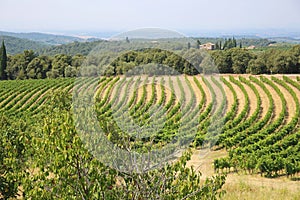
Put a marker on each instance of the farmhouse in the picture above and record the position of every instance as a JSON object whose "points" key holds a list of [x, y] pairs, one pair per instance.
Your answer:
{"points": [[251, 47], [208, 46]]}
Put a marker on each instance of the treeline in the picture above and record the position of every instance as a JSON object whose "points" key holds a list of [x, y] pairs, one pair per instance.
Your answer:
{"points": [[271, 61], [229, 43], [234, 60], [29, 65], [83, 48]]}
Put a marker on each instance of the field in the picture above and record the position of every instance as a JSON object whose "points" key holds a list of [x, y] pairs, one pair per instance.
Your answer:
{"points": [[248, 124]]}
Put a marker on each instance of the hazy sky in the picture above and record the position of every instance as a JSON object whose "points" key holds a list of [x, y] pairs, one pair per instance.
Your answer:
{"points": [[120, 15]]}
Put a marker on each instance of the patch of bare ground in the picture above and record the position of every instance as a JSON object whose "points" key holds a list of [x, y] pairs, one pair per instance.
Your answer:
{"points": [[264, 100], [37, 100], [123, 91], [115, 91], [168, 90], [29, 100], [206, 90], [140, 89], [148, 94], [252, 99], [157, 85], [2, 105], [276, 100], [195, 89], [240, 96], [297, 93], [229, 97], [158, 92], [217, 91], [33, 103], [178, 93], [202, 160], [186, 89], [134, 86], [101, 93], [290, 103]]}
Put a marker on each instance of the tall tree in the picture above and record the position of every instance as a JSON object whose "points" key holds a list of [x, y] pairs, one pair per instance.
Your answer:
{"points": [[234, 42], [217, 46], [225, 44], [3, 61], [127, 40], [198, 44]]}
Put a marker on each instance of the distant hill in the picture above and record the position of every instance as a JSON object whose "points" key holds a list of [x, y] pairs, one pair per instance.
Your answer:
{"points": [[287, 40], [84, 48], [49, 44], [17, 45], [49, 39], [74, 48]]}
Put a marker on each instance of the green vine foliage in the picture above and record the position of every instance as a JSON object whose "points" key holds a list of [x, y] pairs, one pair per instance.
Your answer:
{"points": [[42, 157]]}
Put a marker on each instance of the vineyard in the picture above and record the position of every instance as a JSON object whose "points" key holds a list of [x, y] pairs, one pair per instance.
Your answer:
{"points": [[254, 118]]}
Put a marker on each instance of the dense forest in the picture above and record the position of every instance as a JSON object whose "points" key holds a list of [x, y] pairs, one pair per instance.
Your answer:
{"points": [[18, 45], [83, 48]]}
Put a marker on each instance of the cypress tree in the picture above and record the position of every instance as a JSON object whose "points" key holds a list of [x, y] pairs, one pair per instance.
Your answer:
{"points": [[188, 45], [3, 61], [198, 44], [225, 44], [217, 46], [234, 42]]}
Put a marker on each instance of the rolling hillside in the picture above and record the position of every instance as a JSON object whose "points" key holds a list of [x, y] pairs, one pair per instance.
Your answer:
{"points": [[17, 45], [249, 124], [49, 39]]}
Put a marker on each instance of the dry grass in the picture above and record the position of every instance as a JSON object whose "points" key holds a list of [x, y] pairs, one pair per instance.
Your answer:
{"points": [[276, 99], [264, 100], [244, 186], [252, 99], [195, 88], [290, 103], [229, 96], [240, 96], [256, 187]]}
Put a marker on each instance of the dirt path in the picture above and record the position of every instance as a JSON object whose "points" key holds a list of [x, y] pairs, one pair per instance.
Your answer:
{"points": [[195, 89], [240, 96], [290, 103], [158, 92], [264, 100], [276, 99], [252, 99], [206, 90], [229, 96], [33, 103]]}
